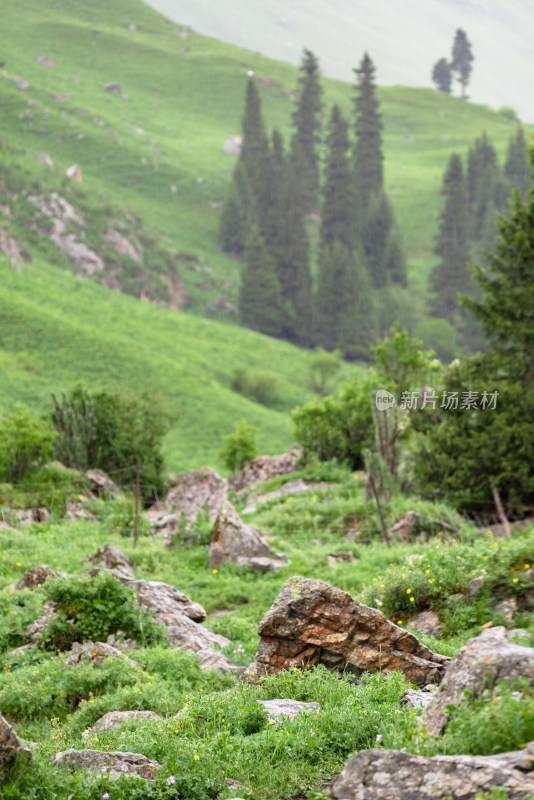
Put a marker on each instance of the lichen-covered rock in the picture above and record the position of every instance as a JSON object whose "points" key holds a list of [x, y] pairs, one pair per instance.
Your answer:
{"points": [[486, 659], [264, 467], [312, 623], [114, 719], [96, 652], [192, 493], [36, 576], [10, 746], [417, 698], [102, 482], [394, 775], [114, 763], [111, 557], [287, 708], [232, 540]]}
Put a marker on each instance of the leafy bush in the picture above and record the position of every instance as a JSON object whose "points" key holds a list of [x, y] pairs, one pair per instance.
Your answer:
{"points": [[121, 517], [262, 386], [113, 431], [239, 447], [323, 367], [92, 608], [25, 444]]}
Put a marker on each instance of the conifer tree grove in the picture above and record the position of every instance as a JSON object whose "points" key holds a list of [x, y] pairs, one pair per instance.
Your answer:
{"points": [[236, 212], [374, 219], [516, 167], [259, 298], [462, 58], [307, 122], [441, 75], [487, 193], [450, 275], [343, 309]]}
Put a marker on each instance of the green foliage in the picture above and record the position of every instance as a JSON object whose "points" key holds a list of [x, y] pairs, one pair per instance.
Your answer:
{"points": [[121, 517], [93, 608], [323, 367], [25, 444], [236, 212], [516, 167], [262, 386], [240, 446], [260, 301], [462, 57], [307, 122], [368, 158], [441, 75], [113, 431], [403, 363]]}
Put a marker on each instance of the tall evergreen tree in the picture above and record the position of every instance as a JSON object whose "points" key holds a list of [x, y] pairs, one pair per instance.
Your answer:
{"points": [[374, 218], [368, 158], [307, 122], [441, 75], [238, 206], [260, 303], [487, 193], [450, 275], [462, 58], [338, 209], [290, 249], [256, 157], [516, 167]]}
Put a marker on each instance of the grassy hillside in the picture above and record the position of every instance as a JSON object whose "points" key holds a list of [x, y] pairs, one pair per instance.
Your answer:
{"points": [[406, 39], [57, 328]]}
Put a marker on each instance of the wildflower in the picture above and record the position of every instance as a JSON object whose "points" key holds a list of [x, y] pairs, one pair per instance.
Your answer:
{"points": [[170, 780], [19, 564], [516, 695], [197, 758], [408, 591], [399, 622], [105, 796], [527, 566], [515, 580], [215, 571], [382, 585], [412, 599], [124, 767], [312, 732], [378, 737]]}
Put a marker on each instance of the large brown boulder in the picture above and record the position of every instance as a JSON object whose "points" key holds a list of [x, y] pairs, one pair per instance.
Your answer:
{"points": [[232, 540], [10, 746], [264, 467], [112, 764], [312, 623], [482, 661], [394, 775], [192, 493]]}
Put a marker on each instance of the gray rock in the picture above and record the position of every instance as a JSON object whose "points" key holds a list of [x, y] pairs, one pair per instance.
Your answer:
{"points": [[488, 657], [102, 482], [114, 719], [114, 763], [287, 708], [394, 775], [123, 245], [405, 526], [48, 612], [192, 493], [44, 61], [231, 540], [111, 558], [475, 585], [427, 622], [417, 698], [22, 84], [36, 576], [289, 488], [113, 88], [232, 146], [10, 747], [74, 173], [341, 557], [96, 652], [45, 159], [507, 608], [264, 467]]}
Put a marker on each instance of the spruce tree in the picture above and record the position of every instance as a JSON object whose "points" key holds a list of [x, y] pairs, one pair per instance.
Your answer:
{"points": [[487, 193], [368, 158], [516, 167], [441, 75], [256, 157], [307, 122], [290, 249], [237, 208], [462, 58], [338, 215], [259, 297], [450, 275]]}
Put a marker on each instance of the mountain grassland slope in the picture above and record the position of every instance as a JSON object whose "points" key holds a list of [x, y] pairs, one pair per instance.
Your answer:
{"points": [[152, 165]]}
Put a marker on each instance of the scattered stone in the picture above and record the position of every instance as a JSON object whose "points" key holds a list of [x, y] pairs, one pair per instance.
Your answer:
{"points": [[404, 526], [61, 98], [427, 622], [75, 510], [113, 88], [132, 26], [112, 558], [22, 84], [394, 775], [192, 492], [342, 556], [44, 158], [232, 540], [96, 652], [114, 719], [138, 130], [286, 708], [485, 659], [44, 61], [10, 247], [48, 612], [74, 173], [122, 245], [475, 585], [312, 623], [10, 747], [36, 576], [102, 482], [183, 34], [232, 146], [112, 764], [507, 608], [263, 468], [417, 698], [76, 79]]}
